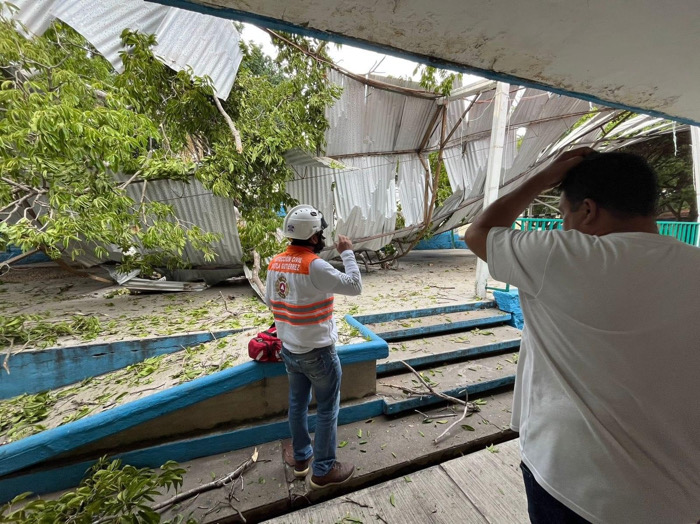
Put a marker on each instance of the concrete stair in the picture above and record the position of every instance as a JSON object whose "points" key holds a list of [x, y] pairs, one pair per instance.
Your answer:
{"points": [[463, 349]]}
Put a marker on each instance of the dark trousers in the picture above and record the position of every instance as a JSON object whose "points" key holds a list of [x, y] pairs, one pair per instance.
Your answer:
{"points": [[544, 508]]}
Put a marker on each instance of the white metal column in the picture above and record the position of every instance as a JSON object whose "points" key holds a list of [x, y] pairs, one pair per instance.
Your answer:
{"points": [[493, 168], [695, 141]]}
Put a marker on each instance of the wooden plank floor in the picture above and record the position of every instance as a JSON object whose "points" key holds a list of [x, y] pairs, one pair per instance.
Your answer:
{"points": [[483, 487]]}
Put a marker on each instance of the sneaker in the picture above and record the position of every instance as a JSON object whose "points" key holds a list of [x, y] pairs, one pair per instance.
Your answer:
{"points": [[301, 467], [338, 474]]}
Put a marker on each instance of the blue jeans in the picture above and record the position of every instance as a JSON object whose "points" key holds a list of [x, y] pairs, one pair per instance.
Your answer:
{"points": [[542, 507], [320, 369]]}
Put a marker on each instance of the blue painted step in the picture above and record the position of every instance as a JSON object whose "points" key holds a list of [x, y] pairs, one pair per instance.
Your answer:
{"points": [[58, 477], [429, 321], [461, 325], [474, 377], [463, 353], [45, 448], [41, 370]]}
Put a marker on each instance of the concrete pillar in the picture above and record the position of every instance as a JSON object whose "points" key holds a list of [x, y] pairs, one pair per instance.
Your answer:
{"points": [[493, 168]]}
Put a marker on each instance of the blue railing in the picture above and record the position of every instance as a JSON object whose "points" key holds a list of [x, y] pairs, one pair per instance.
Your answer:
{"points": [[684, 231]]}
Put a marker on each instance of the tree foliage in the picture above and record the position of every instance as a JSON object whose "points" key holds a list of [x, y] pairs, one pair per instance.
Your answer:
{"points": [[110, 492], [672, 159], [74, 135], [439, 81]]}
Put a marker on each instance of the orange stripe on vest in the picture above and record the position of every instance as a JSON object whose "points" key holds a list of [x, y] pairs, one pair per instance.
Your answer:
{"points": [[295, 259]]}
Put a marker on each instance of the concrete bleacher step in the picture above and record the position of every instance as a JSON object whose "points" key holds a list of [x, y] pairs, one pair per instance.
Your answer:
{"points": [[438, 349], [459, 348], [381, 448], [405, 328], [473, 377]]}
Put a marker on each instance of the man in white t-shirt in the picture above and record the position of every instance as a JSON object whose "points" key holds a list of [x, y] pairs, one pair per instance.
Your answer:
{"points": [[607, 387]]}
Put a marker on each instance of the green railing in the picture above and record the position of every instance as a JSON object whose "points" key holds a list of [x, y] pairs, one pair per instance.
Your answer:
{"points": [[684, 231]]}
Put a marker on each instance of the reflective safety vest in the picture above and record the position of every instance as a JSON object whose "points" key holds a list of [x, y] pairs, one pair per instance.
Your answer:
{"points": [[303, 314]]}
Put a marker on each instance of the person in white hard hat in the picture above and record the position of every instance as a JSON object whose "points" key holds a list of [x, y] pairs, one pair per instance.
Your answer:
{"points": [[299, 290]]}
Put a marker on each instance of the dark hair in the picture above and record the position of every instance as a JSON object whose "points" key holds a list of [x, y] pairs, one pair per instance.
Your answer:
{"points": [[621, 183], [298, 242]]}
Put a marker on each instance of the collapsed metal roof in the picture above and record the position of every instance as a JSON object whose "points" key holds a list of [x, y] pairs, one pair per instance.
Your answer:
{"points": [[387, 135], [639, 55], [381, 131], [206, 44]]}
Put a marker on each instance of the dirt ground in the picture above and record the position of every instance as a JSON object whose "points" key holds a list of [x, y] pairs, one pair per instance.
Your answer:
{"points": [[421, 279]]}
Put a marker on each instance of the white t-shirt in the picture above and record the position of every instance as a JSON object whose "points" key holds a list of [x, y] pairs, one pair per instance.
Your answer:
{"points": [[607, 394]]}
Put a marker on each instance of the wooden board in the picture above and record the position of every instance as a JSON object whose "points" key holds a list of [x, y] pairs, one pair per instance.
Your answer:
{"points": [[428, 496], [493, 482]]}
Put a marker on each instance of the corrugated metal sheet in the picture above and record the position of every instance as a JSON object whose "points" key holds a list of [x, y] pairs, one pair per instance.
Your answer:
{"points": [[297, 158], [371, 120], [411, 188], [365, 201], [193, 204], [545, 119], [206, 44], [34, 14], [102, 23]]}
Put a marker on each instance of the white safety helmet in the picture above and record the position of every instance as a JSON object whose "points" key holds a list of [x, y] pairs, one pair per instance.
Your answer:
{"points": [[302, 222]]}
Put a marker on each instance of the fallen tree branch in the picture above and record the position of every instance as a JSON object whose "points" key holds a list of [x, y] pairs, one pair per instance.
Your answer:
{"points": [[464, 415], [19, 257], [209, 486], [469, 407], [256, 273], [236, 134], [226, 308], [405, 389], [350, 501], [436, 393], [81, 273]]}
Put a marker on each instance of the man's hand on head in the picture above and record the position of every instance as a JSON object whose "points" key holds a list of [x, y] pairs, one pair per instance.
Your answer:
{"points": [[343, 244], [504, 211], [553, 175]]}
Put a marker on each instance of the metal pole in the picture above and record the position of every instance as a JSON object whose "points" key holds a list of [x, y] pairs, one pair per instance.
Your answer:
{"points": [[493, 168], [695, 141]]}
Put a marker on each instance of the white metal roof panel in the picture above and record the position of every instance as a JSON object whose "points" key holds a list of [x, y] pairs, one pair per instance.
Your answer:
{"points": [[206, 44], [194, 204], [34, 14], [365, 201], [649, 61], [102, 22], [411, 188]]}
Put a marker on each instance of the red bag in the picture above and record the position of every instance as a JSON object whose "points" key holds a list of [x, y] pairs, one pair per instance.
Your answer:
{"points": [[266, 346]]}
